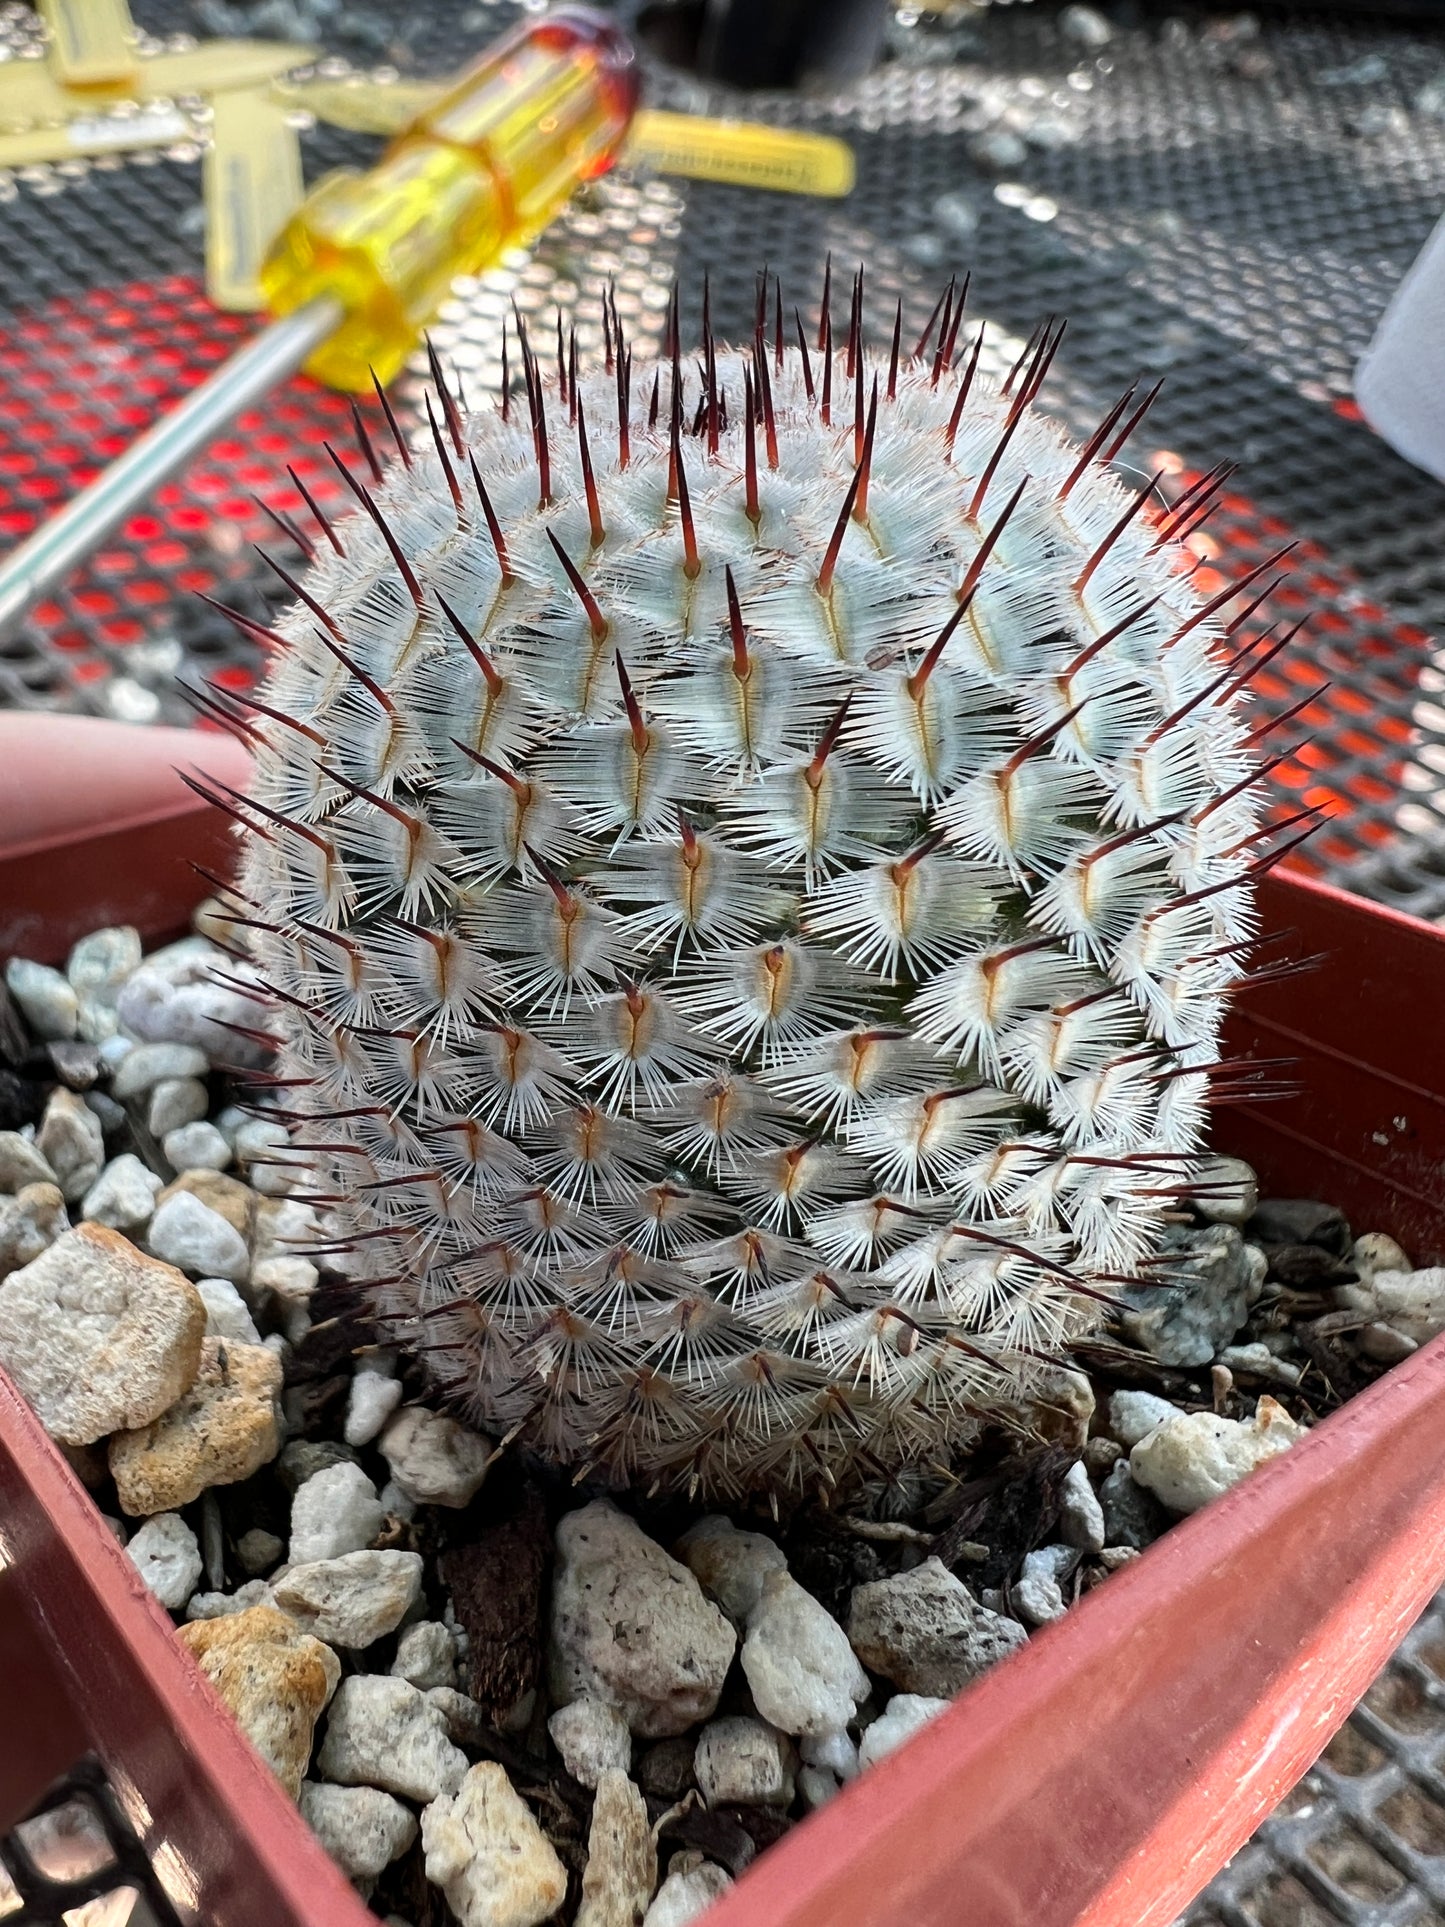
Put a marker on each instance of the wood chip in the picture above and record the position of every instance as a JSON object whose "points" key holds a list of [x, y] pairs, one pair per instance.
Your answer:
{"points": [[496, 1588]]}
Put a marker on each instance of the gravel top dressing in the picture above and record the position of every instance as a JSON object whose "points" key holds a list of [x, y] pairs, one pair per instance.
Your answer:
{"points": [[498, 1695]]}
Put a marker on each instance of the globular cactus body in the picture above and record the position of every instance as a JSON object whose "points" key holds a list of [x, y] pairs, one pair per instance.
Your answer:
{"points": [[752, 881]]}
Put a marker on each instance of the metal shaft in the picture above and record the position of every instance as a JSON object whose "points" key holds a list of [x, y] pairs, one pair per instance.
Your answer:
{"points": [[45, 558]]}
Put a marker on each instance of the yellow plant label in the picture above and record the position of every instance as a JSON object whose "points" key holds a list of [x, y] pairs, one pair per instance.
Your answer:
{"points": [[91, 41], [742, 153], [361, 104], [252, 187], [95, 134], [33, 97]]}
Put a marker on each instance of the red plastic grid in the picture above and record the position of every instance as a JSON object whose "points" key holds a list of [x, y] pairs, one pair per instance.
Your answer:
{"points": [[79, 379]]}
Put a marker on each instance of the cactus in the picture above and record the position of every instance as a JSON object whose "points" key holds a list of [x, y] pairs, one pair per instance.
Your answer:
{"points": [[751, 856]]}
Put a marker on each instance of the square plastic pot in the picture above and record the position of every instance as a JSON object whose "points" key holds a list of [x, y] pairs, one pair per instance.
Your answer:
{"points": [[1103, 1774]]}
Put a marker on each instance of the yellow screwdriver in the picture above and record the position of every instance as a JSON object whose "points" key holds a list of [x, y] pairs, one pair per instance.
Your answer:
{"points": [[366, 260]]}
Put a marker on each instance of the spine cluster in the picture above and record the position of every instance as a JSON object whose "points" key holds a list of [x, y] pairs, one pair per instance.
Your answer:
{"points": [[750, 853]]}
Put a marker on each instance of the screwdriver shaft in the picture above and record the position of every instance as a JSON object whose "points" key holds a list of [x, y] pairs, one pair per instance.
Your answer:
{"points": [[68, 538]]}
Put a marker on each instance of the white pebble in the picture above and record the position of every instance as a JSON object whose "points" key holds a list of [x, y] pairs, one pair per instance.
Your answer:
{"points": [[259, 1137], [369, 1404], [174, 998], [633, 1627], [1197, 1456], [193, 1237], [1081, 1517], [433, 1458], [29, 1224], [113, 1051], [904, 1714], [836, 1753], [227, 1313], [272, 1180], [683, 1896], [730, 1565], [383, 1732], [175, 1101], [143, 1066], [426, 1654], [592, 1737], [1261, 1361], [362, 1828], [219, 1605], [354, 1600], [1038, 1595], [1412, 1302], [816, 1786], [803, 1673], [1133, 1415], [100, 962], [72, 1143], [124, 1195], [621, 1870], [50, 1004], [335, 1511], [21, 1163], [196, 1147], [167, 1556], [1224, 1190], [98, 1337], [284, 1227]]}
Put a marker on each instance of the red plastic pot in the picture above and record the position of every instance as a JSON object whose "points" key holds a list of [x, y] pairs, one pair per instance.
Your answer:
{"points": [[97, 828], [1099, 1778]]}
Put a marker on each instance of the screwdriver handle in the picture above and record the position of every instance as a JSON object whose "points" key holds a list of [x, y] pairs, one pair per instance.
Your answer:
{"points": [[484, 168]]}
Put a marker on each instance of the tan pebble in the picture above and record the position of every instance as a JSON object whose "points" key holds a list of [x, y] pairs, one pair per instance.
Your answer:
{"points": [[621, 1867], [485, 1851], [226, 1427], [273, 1677]]}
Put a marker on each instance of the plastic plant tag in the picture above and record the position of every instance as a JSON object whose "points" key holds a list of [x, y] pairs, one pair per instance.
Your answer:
{"points": [[742, 153], [1400, 379], [154, 126], [33, 99], [252, 188], [91, 41], [361, 103]]}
